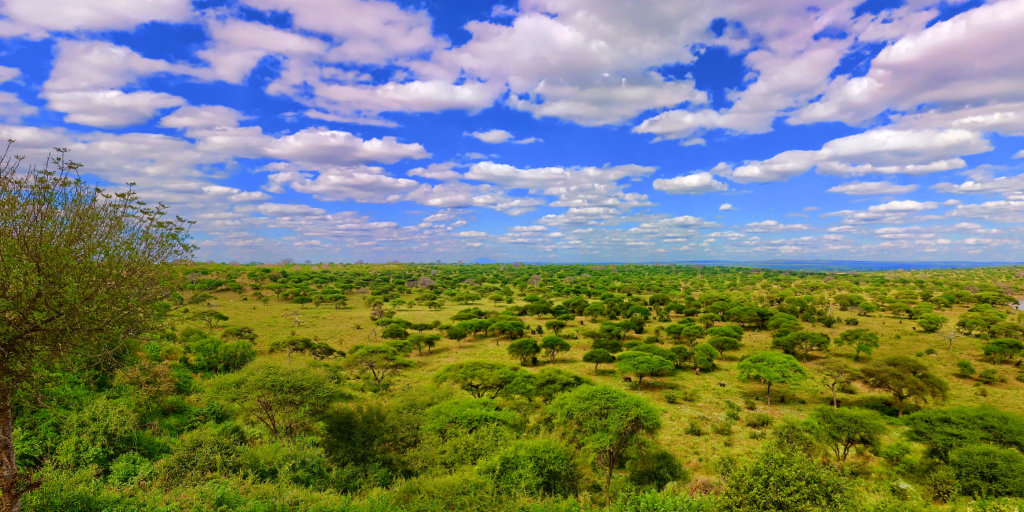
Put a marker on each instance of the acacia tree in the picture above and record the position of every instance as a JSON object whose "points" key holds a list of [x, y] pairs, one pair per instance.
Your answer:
{"points": [[835, 375], [862, 340], [905, 378], [81, 271], [642, 364], [843, 429], [771, 368], [606, 422]]}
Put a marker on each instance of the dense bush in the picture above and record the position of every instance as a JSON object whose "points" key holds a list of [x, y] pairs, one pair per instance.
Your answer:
{"points": [[783, 479], [988, 471], [533, 467]]}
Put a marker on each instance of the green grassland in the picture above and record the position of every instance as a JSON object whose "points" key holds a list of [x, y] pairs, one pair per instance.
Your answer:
{"points": [[705, 418]]}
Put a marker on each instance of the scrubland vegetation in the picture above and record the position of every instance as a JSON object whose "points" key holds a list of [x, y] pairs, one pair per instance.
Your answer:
{"points": [[569, 387], [128, 383]]}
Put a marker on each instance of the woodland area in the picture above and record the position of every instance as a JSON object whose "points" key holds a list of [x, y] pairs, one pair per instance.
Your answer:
{"points": [[426, 387]]}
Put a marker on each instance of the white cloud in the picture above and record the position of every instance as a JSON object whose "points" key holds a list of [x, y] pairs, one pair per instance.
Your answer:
{"points": [[202, 117], [368, 31], [928, 68], [1019, 154], [877, 151], [237, 46], [110, 108], [33, 17], [12, 109], [868, 188], [528, 229], [604, 104], [773, 226], [984, 184], [7, 74], [357, 183], [726, 207], [994, 211], [436, 171], [905, 206], [494, 136], [696, 183], [86, 79]]}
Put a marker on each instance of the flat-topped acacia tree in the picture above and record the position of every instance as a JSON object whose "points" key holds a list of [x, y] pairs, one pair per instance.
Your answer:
{"points": [[81, 272], [771, 368]]}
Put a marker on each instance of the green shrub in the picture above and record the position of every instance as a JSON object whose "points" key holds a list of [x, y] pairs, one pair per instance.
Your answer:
{"points": [[964, 368], [990, 376], [695, 428], [290, 462], [759, 420], [988, 471], [942, 430], [533, 467], [130, 468], [780, 479], [656, 468]]}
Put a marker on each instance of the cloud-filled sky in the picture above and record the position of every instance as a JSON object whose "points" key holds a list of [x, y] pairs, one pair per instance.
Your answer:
{"points": [[543, 130]]}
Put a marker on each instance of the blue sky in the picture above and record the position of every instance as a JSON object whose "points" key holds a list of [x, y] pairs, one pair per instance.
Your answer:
{"points": [[544, 130]]}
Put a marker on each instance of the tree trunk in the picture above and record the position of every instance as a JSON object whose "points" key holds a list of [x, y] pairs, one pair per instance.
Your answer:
{"points": [[769, 394], [13, 483]]}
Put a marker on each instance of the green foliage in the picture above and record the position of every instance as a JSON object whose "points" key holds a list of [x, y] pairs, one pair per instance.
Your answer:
{"points": [[905, 379], [537, 467], [605, 422], [552, 345], [988, 471], [1002, 350], [656, 468], [215, 355], [863, 341], [780, 479], [526, 349], [801, 343], [846, 428], [943, 430], [930, 322], [598, 356], [964, 368], [643, 364], [378, 361], [479, 378], [771, 368], [545, 384], [287, 400], [704, 356]]}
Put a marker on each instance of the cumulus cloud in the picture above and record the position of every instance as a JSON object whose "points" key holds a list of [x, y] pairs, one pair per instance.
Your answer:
{"points": [[983, 183], [696, 183], [87, 78], [33, 18], [870, 188], [726, 207], [877, 151], [437, 171], [494, 136], [927, 68], [994, 211]]}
